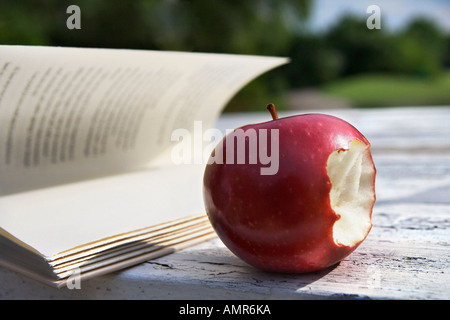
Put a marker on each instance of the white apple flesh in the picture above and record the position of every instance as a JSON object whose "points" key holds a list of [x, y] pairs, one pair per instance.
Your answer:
{"points": [[351, 173]]}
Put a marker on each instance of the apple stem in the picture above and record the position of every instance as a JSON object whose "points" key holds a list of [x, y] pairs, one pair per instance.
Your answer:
{"points": [[272, 110]]}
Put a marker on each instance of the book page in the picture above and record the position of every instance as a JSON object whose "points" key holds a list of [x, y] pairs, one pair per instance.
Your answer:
{"points": [[55, 219], [68, 114]]}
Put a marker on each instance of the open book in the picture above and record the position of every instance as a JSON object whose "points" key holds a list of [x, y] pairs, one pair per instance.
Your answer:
{"points": [[87, 185]]}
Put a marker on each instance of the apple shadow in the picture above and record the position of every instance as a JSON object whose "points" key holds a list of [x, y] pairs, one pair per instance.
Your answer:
{"points": [[218, 267]]}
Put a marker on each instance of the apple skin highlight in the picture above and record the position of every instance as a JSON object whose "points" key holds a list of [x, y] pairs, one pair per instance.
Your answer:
{"points": [[283, 222]]}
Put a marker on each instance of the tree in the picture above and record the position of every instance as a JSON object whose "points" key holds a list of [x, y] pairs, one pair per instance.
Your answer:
{"points": [[422, 48], [361, 49], [313, 61]]}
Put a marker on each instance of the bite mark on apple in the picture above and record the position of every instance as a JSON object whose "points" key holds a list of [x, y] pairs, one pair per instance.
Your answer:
{"points": [[351, 172]]}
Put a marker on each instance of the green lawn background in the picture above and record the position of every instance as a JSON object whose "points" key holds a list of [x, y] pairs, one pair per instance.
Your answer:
{"points": [[378, 90]]}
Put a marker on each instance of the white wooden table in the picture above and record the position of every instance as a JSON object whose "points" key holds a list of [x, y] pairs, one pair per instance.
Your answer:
{"points": [[406, 255]]}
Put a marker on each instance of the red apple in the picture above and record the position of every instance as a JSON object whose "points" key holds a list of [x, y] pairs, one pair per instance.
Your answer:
{"points": [[308, 215]]}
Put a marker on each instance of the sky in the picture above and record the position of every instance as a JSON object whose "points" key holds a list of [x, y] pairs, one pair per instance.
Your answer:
{"points": [[394, 13]]}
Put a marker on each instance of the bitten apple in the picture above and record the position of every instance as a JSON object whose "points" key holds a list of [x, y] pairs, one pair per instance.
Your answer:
{"points": [[310, 214]]}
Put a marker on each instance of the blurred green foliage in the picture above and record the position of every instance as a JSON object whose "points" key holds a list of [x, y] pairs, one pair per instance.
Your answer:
{"points": [[230, 26], [349, 48], [262, 27]]}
